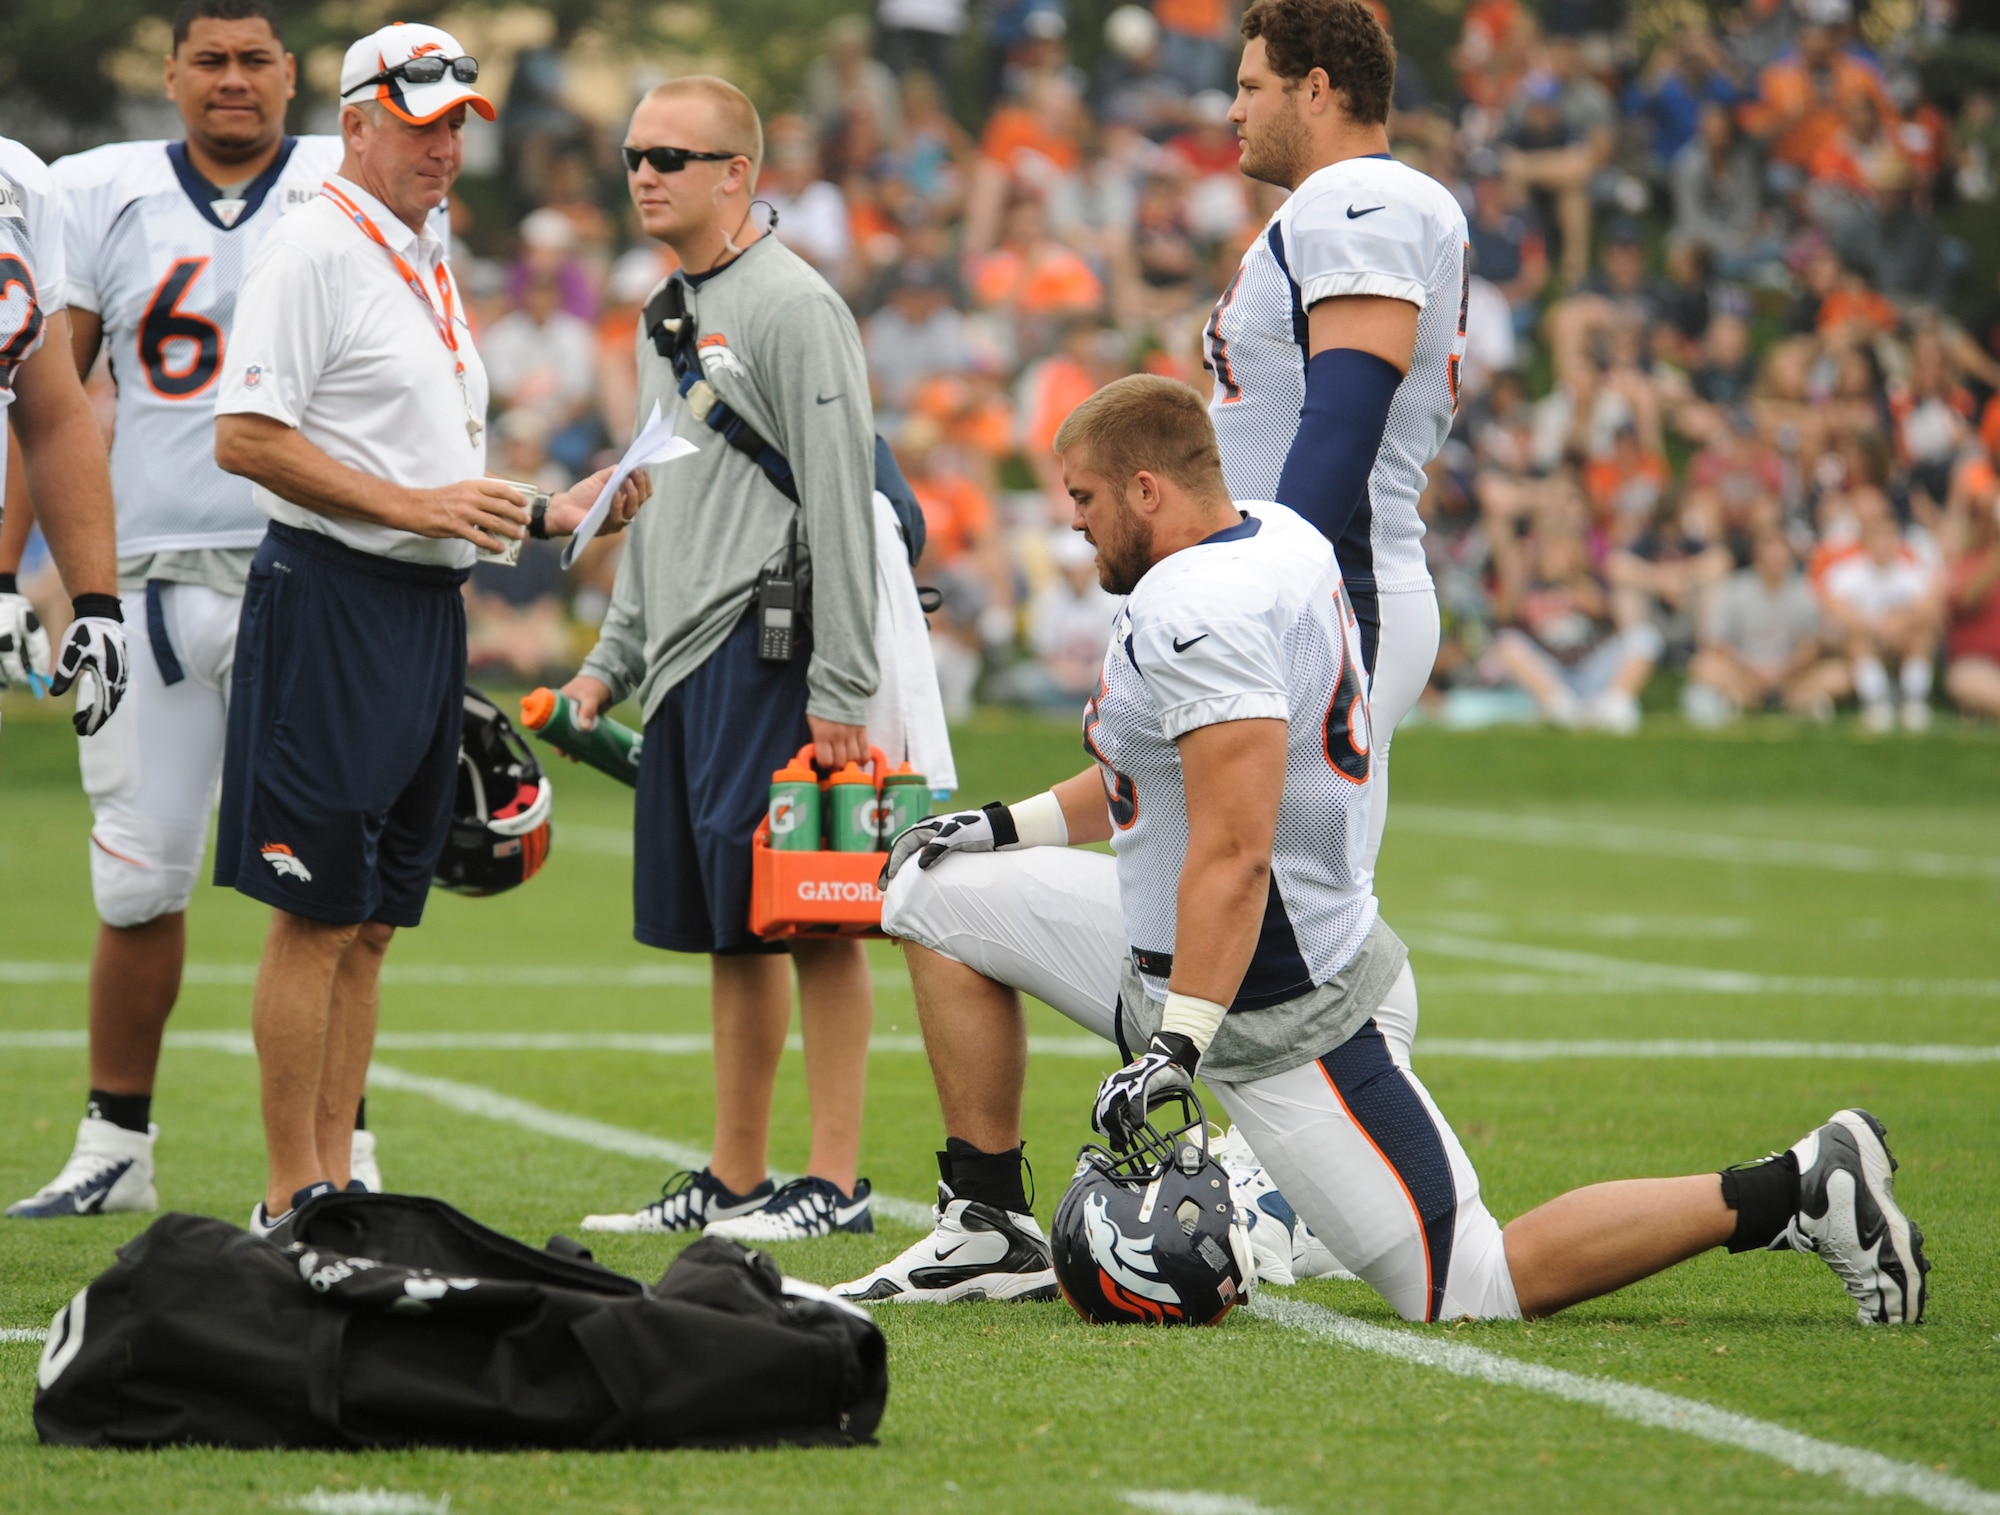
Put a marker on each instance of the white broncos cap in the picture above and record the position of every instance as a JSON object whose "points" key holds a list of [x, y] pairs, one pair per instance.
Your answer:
{"points": [[369, 66]]}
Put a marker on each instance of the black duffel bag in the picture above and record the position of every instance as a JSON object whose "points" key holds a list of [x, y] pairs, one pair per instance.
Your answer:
{"points": [[395, 1321]]}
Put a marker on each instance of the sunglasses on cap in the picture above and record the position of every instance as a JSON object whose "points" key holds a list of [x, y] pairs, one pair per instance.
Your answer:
{"points": [[427, 69], [670, 160]]}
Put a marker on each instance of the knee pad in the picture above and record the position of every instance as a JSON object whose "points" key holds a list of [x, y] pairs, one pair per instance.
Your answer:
{"points": [[132, 885], [916, 907]]}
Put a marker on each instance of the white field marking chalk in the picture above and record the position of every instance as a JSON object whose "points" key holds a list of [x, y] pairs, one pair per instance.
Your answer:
{"points": [[442, 975], [1865, 1472], [604, 841], [1192, 1502], [493, 1105], [39, 1335], [1628, 976], [1090, 1047], [1712, 847], [370, 1502]]}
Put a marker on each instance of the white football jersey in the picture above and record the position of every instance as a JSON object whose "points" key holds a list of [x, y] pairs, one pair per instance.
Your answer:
{"points": [[1250, 624], [1364, 226], [31, 266], [160, 259]]}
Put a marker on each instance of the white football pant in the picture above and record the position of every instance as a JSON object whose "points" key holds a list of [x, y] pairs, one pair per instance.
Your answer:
{"points": [[153, 770], [1352, 1139], [1406, 647]]}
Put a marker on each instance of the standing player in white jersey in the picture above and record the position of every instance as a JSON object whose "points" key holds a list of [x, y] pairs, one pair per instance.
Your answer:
{"points": [[1335, 348], [1235, 934], [159, 236], [46, 410]]}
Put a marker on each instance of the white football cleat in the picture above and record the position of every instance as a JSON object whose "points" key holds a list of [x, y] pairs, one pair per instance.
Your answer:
{"points": [[1848, 1215], [361, 1166], [802, 1209], [110, 1169], [974, 1251]]}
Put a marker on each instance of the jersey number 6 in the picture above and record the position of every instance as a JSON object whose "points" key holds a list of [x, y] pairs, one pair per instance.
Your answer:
{"points": [[186, 369]]}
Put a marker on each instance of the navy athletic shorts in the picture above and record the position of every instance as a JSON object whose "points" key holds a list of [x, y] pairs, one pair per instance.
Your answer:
{"points": [[344, 710], [704, 784]]}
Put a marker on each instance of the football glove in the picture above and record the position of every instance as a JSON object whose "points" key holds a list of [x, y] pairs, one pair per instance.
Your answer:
{"points": [[24, 643], [93, 662], [1127, 1097], [988, 829]]}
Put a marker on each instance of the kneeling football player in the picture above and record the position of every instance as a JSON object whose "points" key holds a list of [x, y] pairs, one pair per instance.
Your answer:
{"points": [[1236, 932]]}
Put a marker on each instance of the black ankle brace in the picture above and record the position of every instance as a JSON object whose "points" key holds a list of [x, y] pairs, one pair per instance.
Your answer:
{"points": [[1765, 1197], [129, 1112], [990, 1178]]}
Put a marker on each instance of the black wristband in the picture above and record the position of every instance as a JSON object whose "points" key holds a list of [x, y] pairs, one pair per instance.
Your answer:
{"points": [[9, 584], [1179, 1047], [104, 607], [1005, 833], [538, 517]]}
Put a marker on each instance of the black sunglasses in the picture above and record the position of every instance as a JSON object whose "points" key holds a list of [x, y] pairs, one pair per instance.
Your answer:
{"points": [[425, 70], [670, 160]]}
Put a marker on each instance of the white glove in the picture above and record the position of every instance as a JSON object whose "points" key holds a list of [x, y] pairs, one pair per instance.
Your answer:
{"points": [[24, 642], [92, 660], [1127, 1097]]}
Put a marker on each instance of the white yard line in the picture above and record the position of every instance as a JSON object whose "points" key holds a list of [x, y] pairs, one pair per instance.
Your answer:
{"points": [[1084, 1047], [370, 1502], [1192, 1502], [39, 1335], [1865, 1472], [490, 1104], [1622, 975], [1711, 847]]}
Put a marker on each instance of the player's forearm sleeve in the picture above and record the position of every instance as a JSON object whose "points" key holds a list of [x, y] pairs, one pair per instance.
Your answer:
{"points": [[1340, 429]]}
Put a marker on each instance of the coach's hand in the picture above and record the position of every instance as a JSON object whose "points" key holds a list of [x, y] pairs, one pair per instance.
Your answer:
{"points": [[24, 642], [588, 699], [836, 744], [567, 510], [484, 512]]}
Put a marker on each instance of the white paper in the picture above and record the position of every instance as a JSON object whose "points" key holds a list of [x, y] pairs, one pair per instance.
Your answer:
{"points": [[656, 443]]}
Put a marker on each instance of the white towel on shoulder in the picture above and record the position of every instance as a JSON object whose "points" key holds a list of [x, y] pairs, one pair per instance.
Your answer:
{"points": [[906, 713]]}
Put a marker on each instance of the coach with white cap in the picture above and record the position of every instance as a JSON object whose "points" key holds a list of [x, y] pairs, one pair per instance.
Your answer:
{"points": [[355, 402]]}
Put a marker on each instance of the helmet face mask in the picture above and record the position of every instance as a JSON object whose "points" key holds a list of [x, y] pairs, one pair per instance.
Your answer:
{"points": [[499, 836], [1149, 1236]]}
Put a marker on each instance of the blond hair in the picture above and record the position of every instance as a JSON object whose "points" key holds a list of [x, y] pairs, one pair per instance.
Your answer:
{"points": [[1147, 422], [738, 128]]}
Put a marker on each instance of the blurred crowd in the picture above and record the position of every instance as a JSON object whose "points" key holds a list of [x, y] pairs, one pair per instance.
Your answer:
{"points": [[1719, 427]]}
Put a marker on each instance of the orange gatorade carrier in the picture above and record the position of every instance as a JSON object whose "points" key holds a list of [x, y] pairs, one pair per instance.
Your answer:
{"points": [[819, 893]]}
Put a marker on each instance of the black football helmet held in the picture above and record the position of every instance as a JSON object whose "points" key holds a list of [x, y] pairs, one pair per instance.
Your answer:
{"points": [[1151, 1236], [500, 816]]}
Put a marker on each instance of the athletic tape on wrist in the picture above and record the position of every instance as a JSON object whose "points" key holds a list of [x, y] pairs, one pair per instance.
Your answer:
{"points": [[1039, 822], [1196, 1019]]}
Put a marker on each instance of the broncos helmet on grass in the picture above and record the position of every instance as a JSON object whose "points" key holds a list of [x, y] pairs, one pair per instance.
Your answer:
{"points": [[500, 815], [1150, 1236]]}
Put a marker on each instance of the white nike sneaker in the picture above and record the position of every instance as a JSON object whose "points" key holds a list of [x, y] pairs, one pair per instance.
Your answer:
{"points": [[110, 1169], [1848, 1215], [804, 1208], [361, 1166], [278, 1228], [1281, 1244], [687, 1202], [974, 1251]]}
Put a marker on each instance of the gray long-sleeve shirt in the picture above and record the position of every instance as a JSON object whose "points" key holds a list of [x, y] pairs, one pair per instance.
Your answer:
{"points": [[781, 349]]}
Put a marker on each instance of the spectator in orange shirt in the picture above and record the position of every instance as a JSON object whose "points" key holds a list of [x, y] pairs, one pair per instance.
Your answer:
{"points": [[1034, 277], [1800, 97], [1194, 41], [1091, 357], [1625, 484], [964, 558], [1492, 54]]}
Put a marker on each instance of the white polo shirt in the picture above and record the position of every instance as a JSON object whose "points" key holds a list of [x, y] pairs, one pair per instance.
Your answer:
{"points": [[330, 339]]}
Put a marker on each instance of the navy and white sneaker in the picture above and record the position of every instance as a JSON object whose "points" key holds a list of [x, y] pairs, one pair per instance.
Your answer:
{"points": [[687, 1202], [803, 1208], [362, 1168], [1848, 1216], [278, 1228], [110, 1169], [974, 1251]]}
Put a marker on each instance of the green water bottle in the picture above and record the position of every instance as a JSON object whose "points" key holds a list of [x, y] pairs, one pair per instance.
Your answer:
{"points": [[794, 810], [608, 746], [906, 799], [851, 810]]}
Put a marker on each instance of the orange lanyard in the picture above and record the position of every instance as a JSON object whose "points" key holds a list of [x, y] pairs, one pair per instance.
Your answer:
{"points": [[447, 333]]}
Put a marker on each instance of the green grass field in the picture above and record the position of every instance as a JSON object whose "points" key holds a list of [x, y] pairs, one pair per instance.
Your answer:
{"points": [[1772, 887]]}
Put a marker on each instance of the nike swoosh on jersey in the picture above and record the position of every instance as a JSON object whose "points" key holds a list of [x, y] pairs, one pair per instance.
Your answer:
{"points": [[1180, 646], [1356, 215]]}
